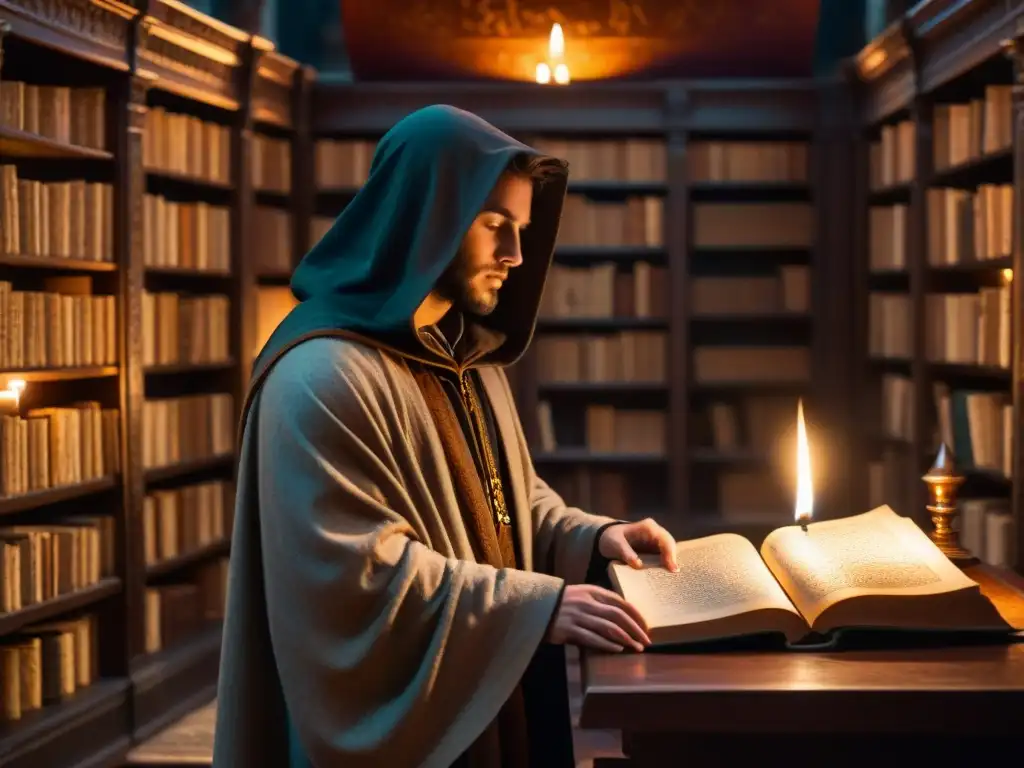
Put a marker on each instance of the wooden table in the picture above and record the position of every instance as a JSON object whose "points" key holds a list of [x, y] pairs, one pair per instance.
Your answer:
{"points": [[851, 708]]}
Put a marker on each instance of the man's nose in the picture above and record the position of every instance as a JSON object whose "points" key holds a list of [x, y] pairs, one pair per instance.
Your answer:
{"points": [[511, 253]]}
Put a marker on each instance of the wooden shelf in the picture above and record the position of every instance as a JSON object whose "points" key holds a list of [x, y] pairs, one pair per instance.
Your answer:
{"points": [[188, 559], [748, 191], [87, 729], [895, 194], [187, 468], [9, 505], [188, 272], [602, 387], [701, 455], [600, 324], [959, 372], [993, 168], [15, 143], [617, 188], [593, 254], [762, 386], [60, 374], [179, 369], [56, 263], [984, 266], [774, 318], [59, 606], [584, 456], [184, 180], [279, 279]]}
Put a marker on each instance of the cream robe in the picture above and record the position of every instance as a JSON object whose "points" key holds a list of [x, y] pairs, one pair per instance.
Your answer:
{"points": [[353, 594]]}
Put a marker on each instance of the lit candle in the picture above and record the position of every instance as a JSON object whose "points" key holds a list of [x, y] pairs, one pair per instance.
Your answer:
{"points": [[10, 398], [804, 494], [555, 66]]}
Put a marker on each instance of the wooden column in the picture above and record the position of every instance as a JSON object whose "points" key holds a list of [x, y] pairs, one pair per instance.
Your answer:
{"points": [[917, 263], [243, 210], [677, 239], [836, 372], [129, 123], [303, 163], [1016, 50]]}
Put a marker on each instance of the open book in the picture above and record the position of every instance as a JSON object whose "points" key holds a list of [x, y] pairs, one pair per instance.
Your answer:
{"points": [[870, 571]]}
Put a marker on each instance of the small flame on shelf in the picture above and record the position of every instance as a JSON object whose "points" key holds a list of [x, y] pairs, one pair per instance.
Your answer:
{"points": [[10, 398], [804, 492], [554, 68], [1007, 276]]}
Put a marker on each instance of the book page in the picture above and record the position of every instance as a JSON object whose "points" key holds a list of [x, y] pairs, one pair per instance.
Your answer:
{"points": [[876, 553], [719, 577]]}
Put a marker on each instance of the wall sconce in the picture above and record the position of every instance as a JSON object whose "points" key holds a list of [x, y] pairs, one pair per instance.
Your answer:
{"points": [[555, 65]]}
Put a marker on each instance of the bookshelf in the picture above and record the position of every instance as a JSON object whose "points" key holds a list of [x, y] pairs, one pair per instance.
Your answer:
{"points": [[938, 260]]}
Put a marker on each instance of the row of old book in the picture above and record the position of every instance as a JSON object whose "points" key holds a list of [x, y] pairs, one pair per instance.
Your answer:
{"points": [[639, 220], [42, 562], [58, 219], [891, 158], [272, 240], [186, 145], [185, 235], [752, 225], [962, 328], [969, 328], [58, 446], [752, 424], [965, 132], [963, 227], [605, 290], [70, 115], [978, 426], [187, 428], [641, 357], [606, 429], [627, 159], [47, 663], [174, 613], [180, 329], [344, 163], [62, 325], [896, 406], [176, 521], [788, 291], [271, 164], [626, 357], [988, 531], [747, 161]]}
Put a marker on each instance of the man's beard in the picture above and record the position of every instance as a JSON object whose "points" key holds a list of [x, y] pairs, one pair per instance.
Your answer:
{"points": [[456, 285]]}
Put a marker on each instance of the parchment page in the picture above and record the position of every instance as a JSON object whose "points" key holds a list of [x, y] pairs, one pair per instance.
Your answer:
{"points": [[718, 576], [876, 553]]}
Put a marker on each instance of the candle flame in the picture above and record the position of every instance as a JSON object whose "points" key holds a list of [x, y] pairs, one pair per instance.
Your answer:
{"points": [[1007, 276], [804, 494], [554, 68], [556, 42]]}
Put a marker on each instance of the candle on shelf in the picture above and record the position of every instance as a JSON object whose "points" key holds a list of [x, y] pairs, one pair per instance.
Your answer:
{"points": [[804, 492], [555, 66], [8, 402]]}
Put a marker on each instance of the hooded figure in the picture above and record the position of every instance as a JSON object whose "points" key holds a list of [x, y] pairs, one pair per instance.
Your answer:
{"points": [[397, 565]]}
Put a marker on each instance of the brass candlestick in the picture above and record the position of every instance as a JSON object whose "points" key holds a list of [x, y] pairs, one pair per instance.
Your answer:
{"points": [[943, 481]]}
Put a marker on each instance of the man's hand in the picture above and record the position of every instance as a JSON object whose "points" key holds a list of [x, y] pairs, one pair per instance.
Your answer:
{"points": [[623, 542], [595, 617]]}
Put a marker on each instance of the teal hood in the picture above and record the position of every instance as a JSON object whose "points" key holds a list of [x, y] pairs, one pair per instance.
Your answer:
{"points": [[430, 176]]}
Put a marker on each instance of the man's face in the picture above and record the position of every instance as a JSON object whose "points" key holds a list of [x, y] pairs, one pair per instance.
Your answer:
{"points": [[490, 248]]}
